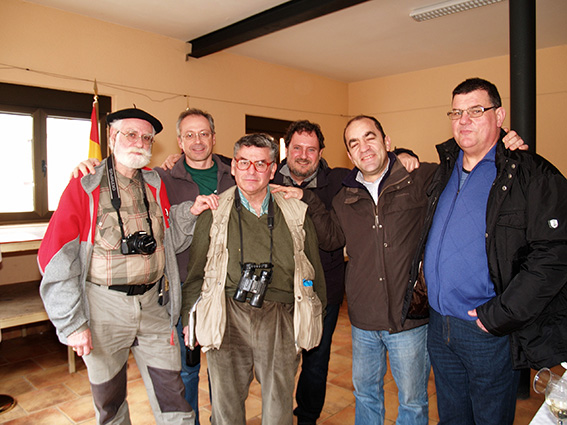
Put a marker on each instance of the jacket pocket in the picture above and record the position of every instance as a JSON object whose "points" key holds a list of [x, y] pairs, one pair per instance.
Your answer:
{"points": [[308, 309], [109, 231], [512, 219]]}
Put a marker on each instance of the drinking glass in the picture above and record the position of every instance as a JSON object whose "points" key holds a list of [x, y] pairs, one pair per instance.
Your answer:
{"points": [[555, 389]]}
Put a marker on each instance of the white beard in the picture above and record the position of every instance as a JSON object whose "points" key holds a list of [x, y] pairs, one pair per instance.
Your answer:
{"points": [[129, 158]]}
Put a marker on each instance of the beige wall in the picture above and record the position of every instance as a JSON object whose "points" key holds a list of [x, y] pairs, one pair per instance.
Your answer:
{"points": [[150, 71], [136, 67], [412, 106]]}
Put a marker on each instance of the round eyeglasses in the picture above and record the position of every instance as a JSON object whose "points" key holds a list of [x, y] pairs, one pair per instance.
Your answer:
{"points": [[474, 112], [201, 135], [133, 136]]}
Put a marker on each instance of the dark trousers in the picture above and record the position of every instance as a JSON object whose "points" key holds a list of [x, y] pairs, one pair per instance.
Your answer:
{"points": [[473, 371], [312, 384]]}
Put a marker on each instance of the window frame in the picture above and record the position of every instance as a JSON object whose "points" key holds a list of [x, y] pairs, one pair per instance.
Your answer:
{"points": [[40, 103]]}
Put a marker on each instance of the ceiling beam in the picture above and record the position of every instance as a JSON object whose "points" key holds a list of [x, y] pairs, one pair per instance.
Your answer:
{"points": [[279, 17]]}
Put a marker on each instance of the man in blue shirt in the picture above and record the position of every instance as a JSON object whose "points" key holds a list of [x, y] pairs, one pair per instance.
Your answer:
{"points": [[495, 263]]}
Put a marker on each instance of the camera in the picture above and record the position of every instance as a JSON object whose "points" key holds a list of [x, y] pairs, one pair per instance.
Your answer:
{"points": [[138, 243], [253, 284]]}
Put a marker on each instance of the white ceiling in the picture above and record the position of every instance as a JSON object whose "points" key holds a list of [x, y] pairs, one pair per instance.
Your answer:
{"points": [[369, 40]]}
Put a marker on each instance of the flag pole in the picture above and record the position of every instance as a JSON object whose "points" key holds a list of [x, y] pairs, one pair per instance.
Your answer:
{"points": [[94, 140]]}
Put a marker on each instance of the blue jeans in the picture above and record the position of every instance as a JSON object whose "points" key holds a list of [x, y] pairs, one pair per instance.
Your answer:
{"points": [[410, 367], [189, 376], [312, 384], [473, 371]]}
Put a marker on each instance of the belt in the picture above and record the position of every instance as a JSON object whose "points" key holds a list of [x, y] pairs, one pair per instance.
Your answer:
{"points": [[132, 289]]}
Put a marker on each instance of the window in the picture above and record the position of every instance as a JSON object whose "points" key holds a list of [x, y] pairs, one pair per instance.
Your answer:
{"points": [[44, 134], [274, 127]]}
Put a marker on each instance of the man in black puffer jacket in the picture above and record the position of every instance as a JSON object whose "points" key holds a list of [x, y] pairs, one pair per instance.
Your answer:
{"points": [[494, 252]]}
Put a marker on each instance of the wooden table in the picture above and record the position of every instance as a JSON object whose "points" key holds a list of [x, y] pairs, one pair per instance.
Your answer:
{"points": [[20, 301]]}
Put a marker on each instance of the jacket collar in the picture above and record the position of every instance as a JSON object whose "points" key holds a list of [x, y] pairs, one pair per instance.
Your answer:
{"points": [[449, 151], [322, 172], [395, 173]]}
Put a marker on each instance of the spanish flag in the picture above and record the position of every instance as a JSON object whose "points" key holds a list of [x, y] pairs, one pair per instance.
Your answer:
{"points": [[94, 141]]}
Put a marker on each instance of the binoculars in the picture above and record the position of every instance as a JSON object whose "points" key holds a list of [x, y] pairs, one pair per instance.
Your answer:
{"points": [[251, 283]]}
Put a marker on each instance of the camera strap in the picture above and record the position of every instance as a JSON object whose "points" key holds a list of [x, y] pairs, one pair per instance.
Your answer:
{"points": [[238, 205], [115, 196]]}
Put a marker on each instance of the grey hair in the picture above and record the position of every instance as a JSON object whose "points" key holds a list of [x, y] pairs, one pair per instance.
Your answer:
{"points": [[196, 112], [258, 140]]}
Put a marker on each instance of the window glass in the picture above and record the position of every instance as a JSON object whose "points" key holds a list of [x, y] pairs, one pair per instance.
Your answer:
{"points": [[16, 163], [67, 145], [44, 134]]}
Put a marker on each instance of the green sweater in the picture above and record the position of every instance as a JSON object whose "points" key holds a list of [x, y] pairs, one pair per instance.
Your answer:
{"points": [[256, 241]]}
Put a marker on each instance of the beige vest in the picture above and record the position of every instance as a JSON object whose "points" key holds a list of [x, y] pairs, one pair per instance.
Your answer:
{"points": [[211, 309]]}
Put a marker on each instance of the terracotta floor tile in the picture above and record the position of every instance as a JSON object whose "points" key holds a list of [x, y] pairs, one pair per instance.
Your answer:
{"points": [[346, 352], [132, 373], [253, 407], [79, 384], [255, 389], [337, 399], [391, 405], [137, 390], [139, 404], [50, 416], [79, 410], [257, 420], [18, 368], [47, 377], [339, 364], [205, 415], [203, 383], [141, 412], [47, 397], [53, 359], [343, 380], [431, 385], [344, 417], [15, 386], [433, 414]]}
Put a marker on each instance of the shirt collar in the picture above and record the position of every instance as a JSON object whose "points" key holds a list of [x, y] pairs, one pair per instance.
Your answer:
{"points": [[246, 204], [372, 187]]}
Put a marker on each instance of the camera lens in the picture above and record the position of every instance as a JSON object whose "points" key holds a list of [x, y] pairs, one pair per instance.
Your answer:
{"points": [[141, 243]]}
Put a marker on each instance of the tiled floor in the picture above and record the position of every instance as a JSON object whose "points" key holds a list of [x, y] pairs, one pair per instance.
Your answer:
{"points": [[34, 370]]}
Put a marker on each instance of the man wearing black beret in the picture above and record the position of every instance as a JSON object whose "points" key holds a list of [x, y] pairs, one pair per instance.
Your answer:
{"points": [[110, 280]]}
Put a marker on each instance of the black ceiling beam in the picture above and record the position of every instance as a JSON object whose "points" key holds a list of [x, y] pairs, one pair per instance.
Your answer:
{"points": [[279, 17]]}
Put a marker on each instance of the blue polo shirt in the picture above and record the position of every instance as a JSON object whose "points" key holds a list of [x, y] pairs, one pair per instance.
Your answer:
{"points": [[455, 263]]}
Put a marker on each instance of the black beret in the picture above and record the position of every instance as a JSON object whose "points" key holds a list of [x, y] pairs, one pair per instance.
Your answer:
{"points": [[134, 113]]}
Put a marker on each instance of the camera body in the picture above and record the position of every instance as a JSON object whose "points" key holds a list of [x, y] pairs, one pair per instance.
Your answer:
{"points": [[251, 283], [138, 243]]}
